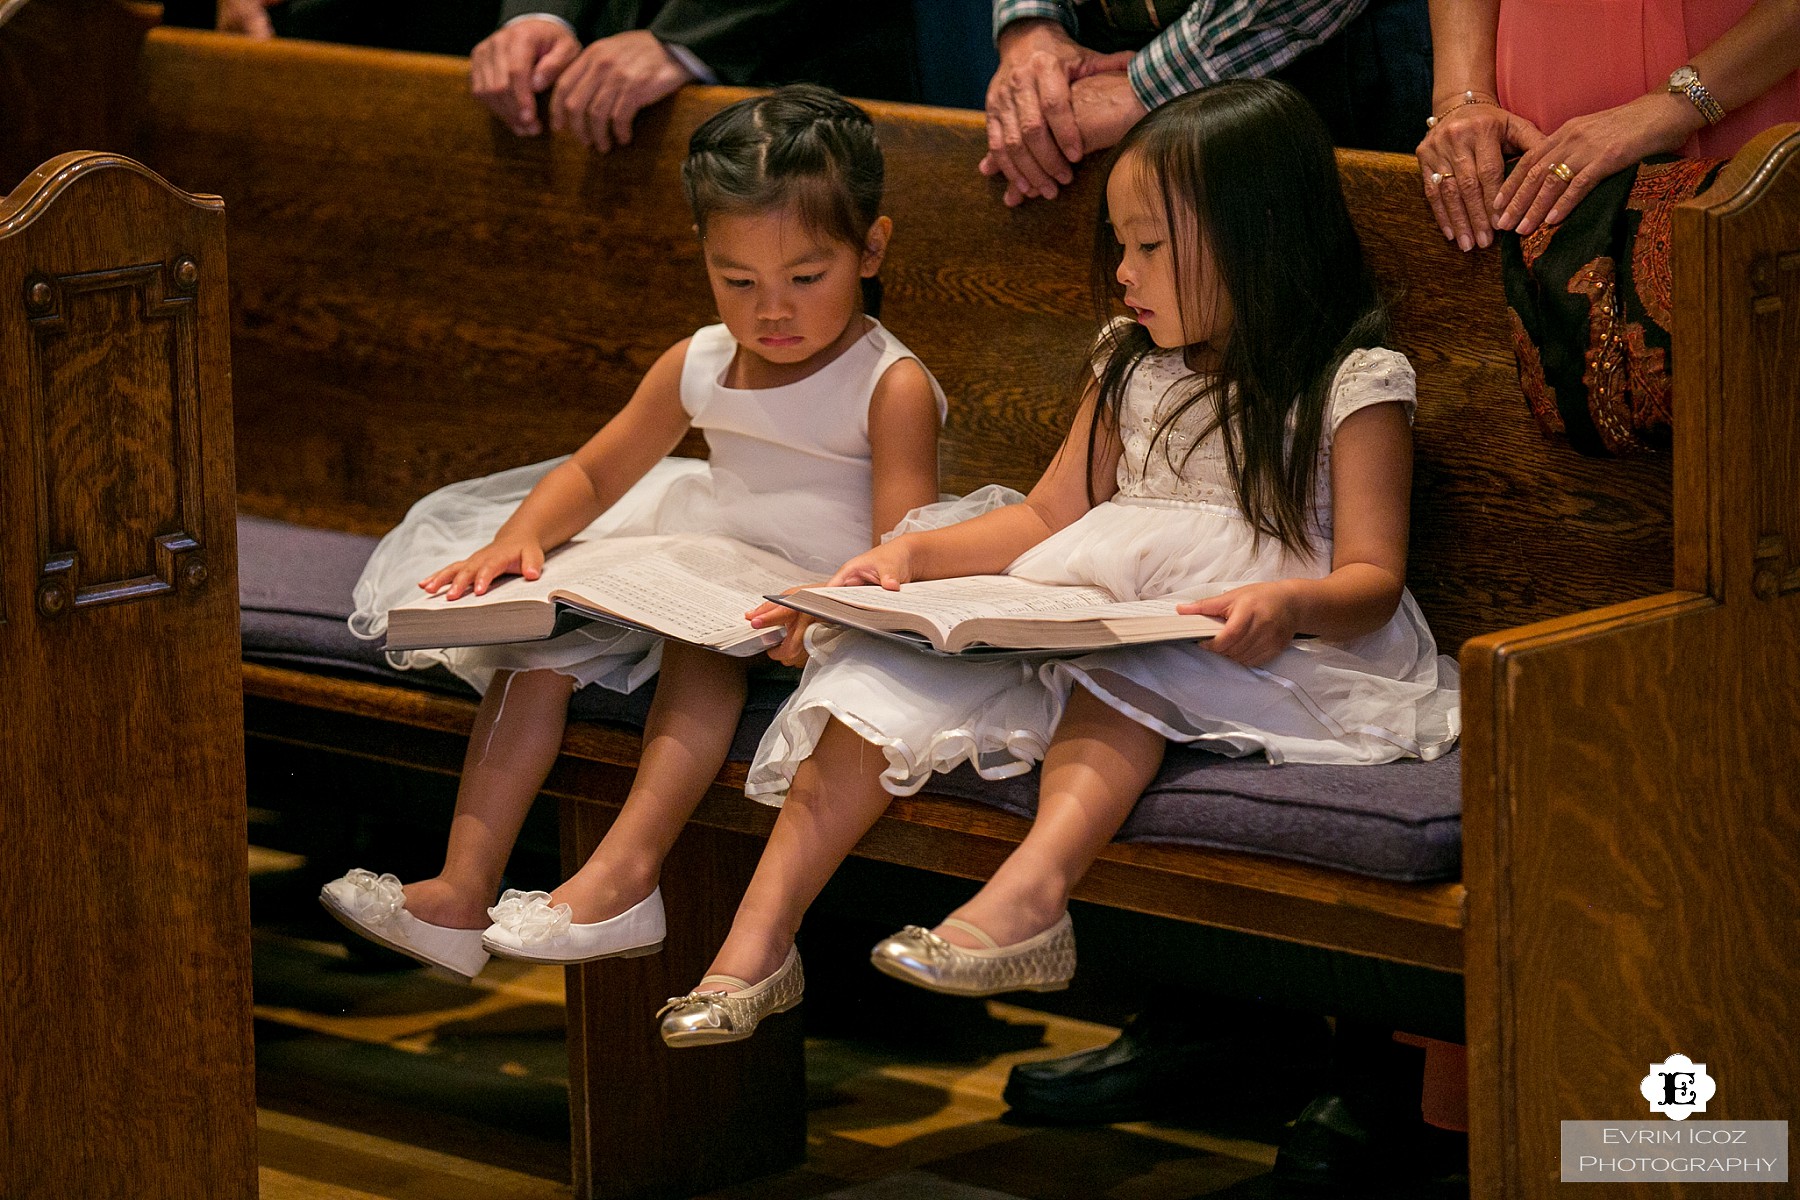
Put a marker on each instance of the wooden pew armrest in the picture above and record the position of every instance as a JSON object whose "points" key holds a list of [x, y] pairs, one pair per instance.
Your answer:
{"points": [[1491, 721]]}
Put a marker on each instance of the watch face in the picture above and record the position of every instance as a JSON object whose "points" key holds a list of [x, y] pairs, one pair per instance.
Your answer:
{"points": [[1683, 77]]}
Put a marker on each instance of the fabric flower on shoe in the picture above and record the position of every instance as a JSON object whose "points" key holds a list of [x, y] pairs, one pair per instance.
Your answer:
{"points": [[377, 898], [530, 916]]}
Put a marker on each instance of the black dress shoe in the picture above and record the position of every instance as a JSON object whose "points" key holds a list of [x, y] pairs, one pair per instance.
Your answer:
{"points": [[1340, 1148], [1330, 1146], [1173, 1059]]}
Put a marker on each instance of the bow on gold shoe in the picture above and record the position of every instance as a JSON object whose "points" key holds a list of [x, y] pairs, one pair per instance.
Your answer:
{"points": [[1044, 963], [701, 1018]]}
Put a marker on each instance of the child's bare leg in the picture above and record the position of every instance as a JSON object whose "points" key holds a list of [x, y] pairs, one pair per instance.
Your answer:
{"points": [[834, 799], [1098, 765], [518, 731], [699, 697]]}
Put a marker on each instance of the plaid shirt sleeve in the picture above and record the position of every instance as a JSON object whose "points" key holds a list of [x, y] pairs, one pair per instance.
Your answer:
{"points": [[1008, 11], [1216, 40]]}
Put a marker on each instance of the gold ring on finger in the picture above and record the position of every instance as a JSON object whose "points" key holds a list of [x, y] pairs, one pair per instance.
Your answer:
{"points": [[1561, 171], [1438, 177]]}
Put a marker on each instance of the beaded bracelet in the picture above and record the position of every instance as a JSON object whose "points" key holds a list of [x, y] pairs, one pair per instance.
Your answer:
{"points": [[1468, 98]]}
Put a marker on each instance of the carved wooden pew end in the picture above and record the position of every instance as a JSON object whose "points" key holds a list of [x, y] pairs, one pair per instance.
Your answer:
{"points": [[125, 1024]]}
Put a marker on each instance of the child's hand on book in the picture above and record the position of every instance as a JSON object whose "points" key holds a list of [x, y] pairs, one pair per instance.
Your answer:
{"points": [[1260, 621], [476, 573], [889, 565], [791, 652]]}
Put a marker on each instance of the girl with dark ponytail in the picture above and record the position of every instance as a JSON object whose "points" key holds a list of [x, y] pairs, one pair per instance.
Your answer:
{"points": [[822, 431]]}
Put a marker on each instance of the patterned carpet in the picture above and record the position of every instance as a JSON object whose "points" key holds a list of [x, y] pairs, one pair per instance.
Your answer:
{"points": [[381, 1082]]}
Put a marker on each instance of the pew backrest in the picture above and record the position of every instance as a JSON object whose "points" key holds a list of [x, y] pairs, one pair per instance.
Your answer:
{"points": [[421, 297]]}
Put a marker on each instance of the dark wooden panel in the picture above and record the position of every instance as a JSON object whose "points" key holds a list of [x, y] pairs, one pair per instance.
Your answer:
{"points": [[1639, 892], [422, 297], [68, 71], [125, 1001], [693, 1120]]}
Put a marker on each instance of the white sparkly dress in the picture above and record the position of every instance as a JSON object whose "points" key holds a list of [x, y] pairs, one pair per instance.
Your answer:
{"points": [[1172, 529], [788, 471]]}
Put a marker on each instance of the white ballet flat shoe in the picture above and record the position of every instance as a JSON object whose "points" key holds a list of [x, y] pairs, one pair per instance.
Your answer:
{"points": [[1042, 963], [527, 926], [374, 906], [703, 1018]]}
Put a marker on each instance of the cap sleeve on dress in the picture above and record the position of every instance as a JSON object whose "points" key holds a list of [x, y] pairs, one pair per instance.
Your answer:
{"points": [[1104, 341], [1377, 376]]}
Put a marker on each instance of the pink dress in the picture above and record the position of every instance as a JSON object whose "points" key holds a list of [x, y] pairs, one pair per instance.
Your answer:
{"points": [[1558, 59]]}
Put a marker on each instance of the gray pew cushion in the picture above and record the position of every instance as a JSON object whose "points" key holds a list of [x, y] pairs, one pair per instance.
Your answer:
{"points": [[294, 586], [1400, 821]]}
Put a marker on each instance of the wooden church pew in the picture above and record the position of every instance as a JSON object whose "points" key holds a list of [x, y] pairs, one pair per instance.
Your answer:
{"points": [[420, 297], [125, 1048]]}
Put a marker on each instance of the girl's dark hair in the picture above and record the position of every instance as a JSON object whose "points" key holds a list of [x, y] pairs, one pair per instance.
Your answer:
{"points": [[1248, 166], [801, 145]]}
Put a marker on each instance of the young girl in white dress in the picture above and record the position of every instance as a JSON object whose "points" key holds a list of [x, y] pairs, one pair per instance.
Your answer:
{"points": [[822, 430], [1244, 446]]}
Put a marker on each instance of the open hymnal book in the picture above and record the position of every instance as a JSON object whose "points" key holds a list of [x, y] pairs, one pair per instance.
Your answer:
{"points": [[989, 613], [693, 587]]}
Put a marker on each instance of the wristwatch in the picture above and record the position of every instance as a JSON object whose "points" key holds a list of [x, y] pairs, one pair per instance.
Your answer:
{"points": [[1685, 81]]}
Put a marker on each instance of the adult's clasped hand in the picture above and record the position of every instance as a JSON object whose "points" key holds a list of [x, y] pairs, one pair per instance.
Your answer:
{"points": [[247, 17], [1472, 194], [1052, 102], [1462, 164], [1558, 172], [595, 93]]}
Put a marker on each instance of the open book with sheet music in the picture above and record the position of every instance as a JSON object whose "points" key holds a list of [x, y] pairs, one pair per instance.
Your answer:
{"points": [[692, 587], [999, 614]]}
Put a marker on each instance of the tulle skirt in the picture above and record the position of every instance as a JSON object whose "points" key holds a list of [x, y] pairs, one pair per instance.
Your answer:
{"points": [[677, 495], [1376, 698]]}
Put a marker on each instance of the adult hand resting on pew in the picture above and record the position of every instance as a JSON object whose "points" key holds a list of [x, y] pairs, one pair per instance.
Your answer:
{"points": [[1052, 102], [1522, 76], [248, 17], [1072, 83], [598, 92]]}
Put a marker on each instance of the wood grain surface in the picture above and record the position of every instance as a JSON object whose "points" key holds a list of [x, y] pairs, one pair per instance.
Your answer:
{"points": [[693, 1120], [125, 1051], [421, 297], [1632, 816], [68, 76]]}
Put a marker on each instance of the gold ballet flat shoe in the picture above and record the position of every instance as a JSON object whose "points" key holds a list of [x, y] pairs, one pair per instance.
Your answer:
{"points": [[1044, 963], [703, 1018]]}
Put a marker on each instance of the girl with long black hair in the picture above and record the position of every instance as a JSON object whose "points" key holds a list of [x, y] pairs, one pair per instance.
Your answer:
{"points": [[1244, 449]]}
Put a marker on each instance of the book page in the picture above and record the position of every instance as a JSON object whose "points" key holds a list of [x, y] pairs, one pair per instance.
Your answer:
{"points": [[949, 602], [999, 612], [578, 557], [693, 588]]}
